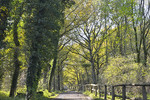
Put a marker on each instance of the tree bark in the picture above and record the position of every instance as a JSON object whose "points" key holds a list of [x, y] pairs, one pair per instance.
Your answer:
{"points": [[58, 71], [93, 68], [16, 73], [52, 71], [1, 78], [87, 75], [45, 81], [32, 79], [138, 46], [125, 35], [120, 40], [54, 83]]}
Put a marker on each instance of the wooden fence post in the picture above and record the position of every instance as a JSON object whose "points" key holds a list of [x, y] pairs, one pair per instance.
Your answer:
{"points": [[144, 93], [91, 89], [105, 92], [113, 93], [83, 88], [99, 91], [124, 92], [96, 90]]}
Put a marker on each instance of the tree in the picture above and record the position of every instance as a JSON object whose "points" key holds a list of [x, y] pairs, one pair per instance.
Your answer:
{"points": [[4, 13], [42, 31], [17, 63], [90, 38], [66, 3], [4, 10]]}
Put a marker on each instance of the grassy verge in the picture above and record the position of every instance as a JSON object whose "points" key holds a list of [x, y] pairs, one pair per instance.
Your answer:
{"points": [[46, 96], [92, 95]]}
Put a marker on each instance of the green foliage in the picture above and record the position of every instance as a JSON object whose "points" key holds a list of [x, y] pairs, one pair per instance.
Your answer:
{"points": [[92, 95], [46, 96], [5, 96], [122, 70], [46, 23]]}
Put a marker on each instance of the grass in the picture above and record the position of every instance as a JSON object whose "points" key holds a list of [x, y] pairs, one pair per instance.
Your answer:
{"points": [[148, 96], [46, 96], [92, 95]]}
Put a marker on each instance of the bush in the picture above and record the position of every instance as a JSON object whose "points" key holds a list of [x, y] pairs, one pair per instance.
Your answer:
{"points": [[122, 70]]}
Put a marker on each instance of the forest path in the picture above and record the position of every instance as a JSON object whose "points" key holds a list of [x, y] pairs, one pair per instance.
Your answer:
{"points": [[72, 95]]}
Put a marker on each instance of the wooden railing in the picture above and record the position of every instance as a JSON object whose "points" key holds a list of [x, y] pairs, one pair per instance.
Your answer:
{"points": [[97, 89], [124, 86]]}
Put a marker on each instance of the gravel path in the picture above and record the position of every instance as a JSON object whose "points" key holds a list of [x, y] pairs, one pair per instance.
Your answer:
{"points": [[71, 95]]}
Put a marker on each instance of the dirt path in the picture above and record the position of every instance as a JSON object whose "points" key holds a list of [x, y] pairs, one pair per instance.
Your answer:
{"points": [[71, 95]]}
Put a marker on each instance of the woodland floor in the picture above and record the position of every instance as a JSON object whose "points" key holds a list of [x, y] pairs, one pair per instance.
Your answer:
{"points": [[72, 95]]}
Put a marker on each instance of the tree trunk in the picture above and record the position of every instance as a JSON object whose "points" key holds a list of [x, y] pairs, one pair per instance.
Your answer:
{"points": [[45, 81], [125, 36], [16, 73], [98, 68], [52, 72], [55, 61], [61, 80], [138, 45], [32, 79], [106, 49], [58, 71], [54, 82], [120, 40], [87, 75], [1, 78], [93, 69]]}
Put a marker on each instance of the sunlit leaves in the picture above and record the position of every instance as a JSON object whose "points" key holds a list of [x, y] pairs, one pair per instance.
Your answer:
{"points": [[122, 70]]}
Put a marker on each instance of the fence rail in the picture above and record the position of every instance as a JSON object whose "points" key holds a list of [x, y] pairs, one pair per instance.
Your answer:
{"points": [[97, 89]]}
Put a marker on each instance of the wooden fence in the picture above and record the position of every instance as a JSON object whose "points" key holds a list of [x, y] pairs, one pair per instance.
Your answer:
{"points": [[97, 89], [124, 86]]}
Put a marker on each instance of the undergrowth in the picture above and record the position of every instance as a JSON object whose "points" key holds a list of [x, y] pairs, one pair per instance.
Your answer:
{"points": [[46, 96], [92, 95]]}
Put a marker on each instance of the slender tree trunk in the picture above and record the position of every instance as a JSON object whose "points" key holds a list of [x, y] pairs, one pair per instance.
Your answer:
{"points": [[114, 48], [16, 73], [120, 40], [61, 80], [1, 72], [93, 68], [46, 70], [138, 45], [98, 68], [143, 32], [45, 79], [87, 75], [58, 78], [1, 78], [52, 74], [106, 49], [125, 35], [54, 83]]}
